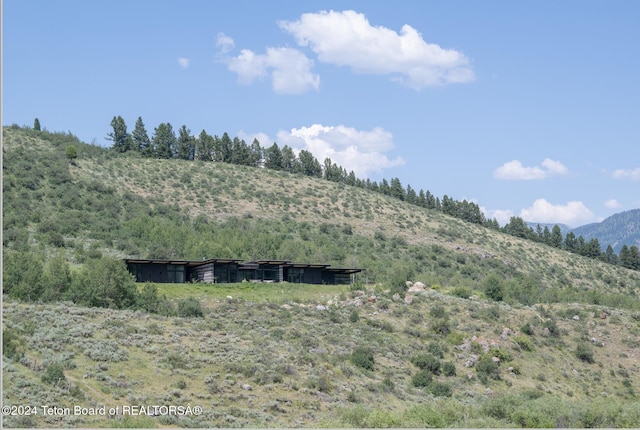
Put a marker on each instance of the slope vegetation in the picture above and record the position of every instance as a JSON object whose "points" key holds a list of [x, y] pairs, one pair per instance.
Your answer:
{"points": [[506, 333]]}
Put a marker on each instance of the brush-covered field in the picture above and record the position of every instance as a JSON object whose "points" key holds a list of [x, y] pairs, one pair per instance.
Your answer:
{"points": [[327, 358]]}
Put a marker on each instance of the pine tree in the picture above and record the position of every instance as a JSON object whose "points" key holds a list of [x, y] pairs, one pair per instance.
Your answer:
{"points": [[273, 157], [256, 153], [36, 124], [309, 165], [141, 141], [164, 141], [289, 160], [121, 139], [204, 147], [185, 145], [556, 237]]}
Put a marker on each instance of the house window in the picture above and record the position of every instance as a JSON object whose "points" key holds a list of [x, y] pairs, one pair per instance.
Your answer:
{"points": [[296, 275], [136, 269], [175, 273]]}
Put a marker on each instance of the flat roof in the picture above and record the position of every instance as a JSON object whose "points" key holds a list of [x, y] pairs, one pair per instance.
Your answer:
{"points": [[248, 265], [191, 263]]}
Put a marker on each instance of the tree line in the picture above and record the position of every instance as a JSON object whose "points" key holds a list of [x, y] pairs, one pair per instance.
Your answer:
{"points": [[628, 257], [165, 144]]}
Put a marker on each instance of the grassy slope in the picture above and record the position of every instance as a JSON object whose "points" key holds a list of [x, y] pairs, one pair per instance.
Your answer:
{"points": [[296, 357]]}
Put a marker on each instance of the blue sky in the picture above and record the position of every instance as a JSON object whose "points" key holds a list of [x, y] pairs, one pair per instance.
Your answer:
{"points": [[527, 108]]}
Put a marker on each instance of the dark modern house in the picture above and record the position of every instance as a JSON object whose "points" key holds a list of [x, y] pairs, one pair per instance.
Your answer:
{"points": [[225, 270]]}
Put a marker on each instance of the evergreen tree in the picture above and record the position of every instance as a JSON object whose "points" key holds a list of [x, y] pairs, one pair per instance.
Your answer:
{"points": [[396, 189], [410, 195], [422, 199], [289, 160], [164, 141], [36, 124], [240, 152], [448, 206], [256, 153], [630, 257], [273, 157], [570, 242], [121, 139], [610, 256], [592, 249], [224, 146], [384, 187], [141, 142], [556, 237], [309, 165], [204, 147], [351, 179], [546, 236], [185, 145]]}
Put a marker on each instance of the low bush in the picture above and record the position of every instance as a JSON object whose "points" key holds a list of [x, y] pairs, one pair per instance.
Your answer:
{"points": [[54, 374], [448, 369], [190, 307], [422, 379], [363, 357], [427, 362], [524, 342], [584, 352]]}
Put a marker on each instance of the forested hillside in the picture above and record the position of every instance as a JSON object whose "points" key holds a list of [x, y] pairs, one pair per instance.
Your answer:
{"points": [[499, 331], [618, 230]]}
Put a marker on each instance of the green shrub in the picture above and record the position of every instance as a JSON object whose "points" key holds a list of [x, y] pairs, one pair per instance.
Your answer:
{"points": [[12, 344], [190, 307], [54, 374], [363, 357], [439, 389], [353, 316], [493, 287], [448, 369], [584, 352], [486, 368], [524, 342], [427, 362], [422, 379], [462, 292]]}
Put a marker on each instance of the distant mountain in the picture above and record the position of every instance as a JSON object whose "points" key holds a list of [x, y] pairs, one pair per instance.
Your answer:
{"points": [[617, 230]]}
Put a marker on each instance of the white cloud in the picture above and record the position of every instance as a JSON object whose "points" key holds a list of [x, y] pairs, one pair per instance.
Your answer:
{"points": [[501, 215], [224, 43], [633, 174], [348, 39], [612, 204], [357, 150], [184, 62], [573, 213], [289, 69], [515, 170], [265, 140]]}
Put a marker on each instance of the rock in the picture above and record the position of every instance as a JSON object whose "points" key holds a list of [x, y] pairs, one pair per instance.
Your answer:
{"points": [[603, 315], [409, 284], [417, 287], [576, 318], [372, 299], [506, 332], [495, 359], [321, 308], [247, 387], [408, 299], [471, 361], [546, 332], [229, 297], [396, 297], [358, 302]]}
